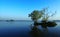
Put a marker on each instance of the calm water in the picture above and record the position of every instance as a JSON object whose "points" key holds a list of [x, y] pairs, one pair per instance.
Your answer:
{"points": [[24, 29]]}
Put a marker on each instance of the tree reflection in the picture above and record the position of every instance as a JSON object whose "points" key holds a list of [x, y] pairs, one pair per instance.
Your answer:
{"points": [[36, 32]]}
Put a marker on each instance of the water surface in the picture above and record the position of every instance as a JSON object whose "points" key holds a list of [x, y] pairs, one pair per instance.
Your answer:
{"points": [[24, 29]]}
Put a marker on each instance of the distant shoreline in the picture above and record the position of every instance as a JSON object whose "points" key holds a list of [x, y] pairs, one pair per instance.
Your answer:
{"points": [[27, 20]]}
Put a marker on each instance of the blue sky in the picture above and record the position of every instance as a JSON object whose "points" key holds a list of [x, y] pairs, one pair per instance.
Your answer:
{"points": [[19, 9]]}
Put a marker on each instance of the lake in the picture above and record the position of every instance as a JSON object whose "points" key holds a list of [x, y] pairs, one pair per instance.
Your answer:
{"points": [[26, 29]]}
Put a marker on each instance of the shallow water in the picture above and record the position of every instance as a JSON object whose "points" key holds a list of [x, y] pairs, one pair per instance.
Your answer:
{"points": [[24, 29]]}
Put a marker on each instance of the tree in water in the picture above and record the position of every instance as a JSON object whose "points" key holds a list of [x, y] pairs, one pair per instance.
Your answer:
{"points": [[44, 14]]}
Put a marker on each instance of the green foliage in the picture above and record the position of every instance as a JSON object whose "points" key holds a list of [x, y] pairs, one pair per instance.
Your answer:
{"points": [[35, 15], [44, 14]]}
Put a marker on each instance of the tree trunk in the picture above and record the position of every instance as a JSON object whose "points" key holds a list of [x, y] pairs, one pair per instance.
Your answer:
{"points": [[35, 22]]}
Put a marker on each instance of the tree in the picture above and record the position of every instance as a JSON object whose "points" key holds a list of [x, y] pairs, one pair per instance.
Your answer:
{"points": [[35, 15], [46, 15]]}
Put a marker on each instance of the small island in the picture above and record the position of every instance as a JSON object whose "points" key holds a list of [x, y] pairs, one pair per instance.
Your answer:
{"points": [[10, 20]]}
